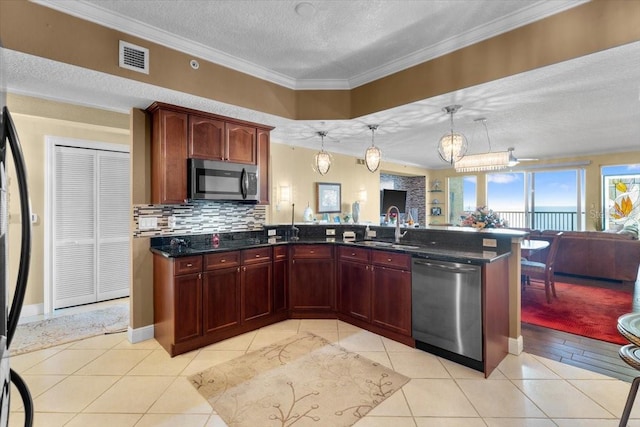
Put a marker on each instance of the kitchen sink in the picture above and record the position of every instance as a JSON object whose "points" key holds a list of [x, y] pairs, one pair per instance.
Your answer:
{"points": [[388, 245], [404, 246]]}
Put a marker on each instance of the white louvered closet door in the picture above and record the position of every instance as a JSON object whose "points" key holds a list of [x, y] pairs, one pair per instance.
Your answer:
{"points": [[91, 208], [113, 225]]}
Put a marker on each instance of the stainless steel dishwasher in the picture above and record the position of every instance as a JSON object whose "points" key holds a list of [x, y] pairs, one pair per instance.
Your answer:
{"points": [[447, 310]]}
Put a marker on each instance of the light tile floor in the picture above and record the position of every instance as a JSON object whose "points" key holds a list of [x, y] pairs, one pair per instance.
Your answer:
{"points": [[107, 381]]}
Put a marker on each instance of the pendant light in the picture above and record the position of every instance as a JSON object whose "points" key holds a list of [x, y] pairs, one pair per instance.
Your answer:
{"points": [[373, 154], [322, 160], [453, 145], [490, 161]]}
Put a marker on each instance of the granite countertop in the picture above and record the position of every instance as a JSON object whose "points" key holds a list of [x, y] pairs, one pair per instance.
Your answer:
{"points": [[413, 249]]}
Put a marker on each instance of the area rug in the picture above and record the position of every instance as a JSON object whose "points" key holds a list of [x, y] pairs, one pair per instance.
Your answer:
{"points": [[304, 381], [588, 311], [68, 328]]}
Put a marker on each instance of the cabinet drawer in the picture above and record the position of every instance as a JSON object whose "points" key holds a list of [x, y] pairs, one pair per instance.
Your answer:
{"points": [[354, 254], [312, 251], [280, 252], [252, 256], [391, 259], [187, 265], [222, 260]]}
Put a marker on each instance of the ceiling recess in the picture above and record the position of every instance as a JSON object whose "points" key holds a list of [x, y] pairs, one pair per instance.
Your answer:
{"points": [[134, 57]]}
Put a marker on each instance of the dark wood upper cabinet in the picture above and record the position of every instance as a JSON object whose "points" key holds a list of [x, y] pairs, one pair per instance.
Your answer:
{"points": [[168, 157], [206, 138], [241, 144], [180, 133]]}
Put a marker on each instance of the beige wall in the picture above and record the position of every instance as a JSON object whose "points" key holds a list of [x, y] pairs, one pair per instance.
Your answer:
{"points": [[35, 119], [292, 168]]}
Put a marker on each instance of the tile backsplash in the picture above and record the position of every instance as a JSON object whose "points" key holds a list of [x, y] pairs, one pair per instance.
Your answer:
{"points": [[197, 218]]}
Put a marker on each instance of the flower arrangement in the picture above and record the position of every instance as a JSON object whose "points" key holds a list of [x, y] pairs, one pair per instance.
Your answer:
{"points": [[483, 217]]}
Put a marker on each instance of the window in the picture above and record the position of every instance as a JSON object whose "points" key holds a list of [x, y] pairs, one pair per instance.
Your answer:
{"points": [[463, 195], [544, 200]]}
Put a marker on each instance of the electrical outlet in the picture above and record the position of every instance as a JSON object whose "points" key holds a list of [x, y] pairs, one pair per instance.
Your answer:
{"points": [[331, 232], [372, 233], [171, 221], [271, 232], [489, 243], [148, 223]]}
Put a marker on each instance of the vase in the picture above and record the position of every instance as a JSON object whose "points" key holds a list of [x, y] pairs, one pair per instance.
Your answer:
{"points": [[355, 211]]}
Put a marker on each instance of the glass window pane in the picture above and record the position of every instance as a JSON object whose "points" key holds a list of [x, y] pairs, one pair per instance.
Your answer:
{"points": [[506, 196]]}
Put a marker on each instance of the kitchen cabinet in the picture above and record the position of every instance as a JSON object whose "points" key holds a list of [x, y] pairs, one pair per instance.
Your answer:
{"points": [[177, 300], [221, 291], [312, 280], [206, 138], [391, 291], [280, 278], [241, 143], [354, 282], [180, 133], [168, 156], [375, 288], [257, 284]]}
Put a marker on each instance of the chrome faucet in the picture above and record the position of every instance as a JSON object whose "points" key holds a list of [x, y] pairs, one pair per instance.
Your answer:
{"points": [[294, 230], [398, 234]]}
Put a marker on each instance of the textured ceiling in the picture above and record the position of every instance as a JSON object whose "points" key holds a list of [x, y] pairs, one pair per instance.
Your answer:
{"points": [[589, 105]]}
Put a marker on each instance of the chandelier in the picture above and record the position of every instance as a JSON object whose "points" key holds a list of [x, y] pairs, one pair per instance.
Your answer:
{"points": [[322, 160], [490, 161], [453, 145], [373, 154]]}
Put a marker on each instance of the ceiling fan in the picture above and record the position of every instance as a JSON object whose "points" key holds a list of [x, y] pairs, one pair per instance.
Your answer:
{"points": [[513, 160]]}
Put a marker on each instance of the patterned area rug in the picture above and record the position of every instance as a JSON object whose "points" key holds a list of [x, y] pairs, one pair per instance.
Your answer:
{"points": [[73, 327], [303, 381]]}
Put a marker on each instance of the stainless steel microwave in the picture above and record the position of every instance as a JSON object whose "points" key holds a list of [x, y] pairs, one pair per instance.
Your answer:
{"points": [[213, 180]]}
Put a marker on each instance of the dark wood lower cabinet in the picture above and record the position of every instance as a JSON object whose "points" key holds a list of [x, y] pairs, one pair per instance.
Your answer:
{"points": [[188, 296], [391, 299], [221, 299], [312, 281], [280, 278], [257, 300]]}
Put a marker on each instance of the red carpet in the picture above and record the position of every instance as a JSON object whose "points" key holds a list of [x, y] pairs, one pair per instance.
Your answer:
{"points": [[582, 310]]}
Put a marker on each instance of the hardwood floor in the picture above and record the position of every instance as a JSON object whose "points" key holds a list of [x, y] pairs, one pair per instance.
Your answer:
{"points": [[594, 355]]}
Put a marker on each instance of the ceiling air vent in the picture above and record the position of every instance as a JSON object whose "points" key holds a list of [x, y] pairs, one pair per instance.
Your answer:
{"points": [[134, 57]]}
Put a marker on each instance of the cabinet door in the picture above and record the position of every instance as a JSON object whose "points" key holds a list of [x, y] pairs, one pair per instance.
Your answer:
{"points": [[241, 144], [280, 278], [188, 307], [221, 299], [391, 306], [206, 138], [264, 138], [169, 157], [312, 284], [256, 290], [354, 290]]}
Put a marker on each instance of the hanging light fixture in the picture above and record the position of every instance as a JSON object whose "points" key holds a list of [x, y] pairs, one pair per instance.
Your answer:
{"points": [[453, 145], [491, 161], [322, 160], [373, 154]]}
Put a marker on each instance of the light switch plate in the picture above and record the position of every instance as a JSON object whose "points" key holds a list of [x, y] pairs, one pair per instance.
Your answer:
{"points": [[148, 223], [331, 232], [271, 232]]}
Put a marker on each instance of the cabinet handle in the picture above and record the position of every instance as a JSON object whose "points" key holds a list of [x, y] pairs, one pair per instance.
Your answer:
{"points": [[257, 256], [366, 267], [353, 254], [189, 265], [222, 261], [388, 259], [199, 275], [244, 268], [312, 252], [238, 270]]}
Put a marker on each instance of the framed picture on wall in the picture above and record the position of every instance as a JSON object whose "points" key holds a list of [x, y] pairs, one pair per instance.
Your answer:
{"points": [[328, 197]]}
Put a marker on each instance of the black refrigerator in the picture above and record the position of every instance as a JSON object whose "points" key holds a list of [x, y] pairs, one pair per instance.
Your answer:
{"points": [[12, 164]]}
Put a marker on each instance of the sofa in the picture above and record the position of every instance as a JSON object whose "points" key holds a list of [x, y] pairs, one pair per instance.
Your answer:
{"points": [[596, 254]]}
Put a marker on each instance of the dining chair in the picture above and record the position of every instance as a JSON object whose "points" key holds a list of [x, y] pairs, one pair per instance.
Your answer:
{"points": [[542, 271]]}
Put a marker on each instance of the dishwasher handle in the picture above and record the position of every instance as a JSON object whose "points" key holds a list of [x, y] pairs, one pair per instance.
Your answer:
{"points": [[445, 267]]}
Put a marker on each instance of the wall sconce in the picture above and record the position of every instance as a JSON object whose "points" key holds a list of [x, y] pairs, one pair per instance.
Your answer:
{"points": [[285, 194], [362, 196]]}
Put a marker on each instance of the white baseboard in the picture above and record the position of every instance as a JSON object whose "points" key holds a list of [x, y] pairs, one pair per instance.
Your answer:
{"points": [[140, 334], [516, 345], [31, 310]]}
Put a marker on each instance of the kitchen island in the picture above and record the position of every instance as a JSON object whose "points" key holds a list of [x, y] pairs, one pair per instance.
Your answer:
{"points": [[206, 292]]}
